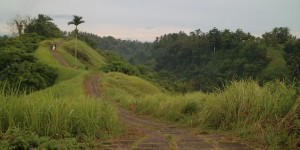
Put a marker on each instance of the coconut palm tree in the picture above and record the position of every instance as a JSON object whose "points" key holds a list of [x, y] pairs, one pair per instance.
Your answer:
{"points": [[76, 21]]}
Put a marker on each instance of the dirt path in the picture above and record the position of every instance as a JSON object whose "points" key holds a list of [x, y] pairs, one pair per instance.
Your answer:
{"points": [[145, 134], [58, 57]]}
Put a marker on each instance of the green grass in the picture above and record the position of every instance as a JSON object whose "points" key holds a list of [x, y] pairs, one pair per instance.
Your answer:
{"points": [[96, 60], [124, 88], [61, 114], [44, 55], [58, 112]]}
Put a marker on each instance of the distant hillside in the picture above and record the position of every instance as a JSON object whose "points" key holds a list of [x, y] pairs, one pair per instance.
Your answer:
{"points": [[277, 67], [206, 61], [135, 51]]}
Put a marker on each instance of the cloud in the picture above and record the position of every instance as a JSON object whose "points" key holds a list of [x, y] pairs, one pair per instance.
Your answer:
{"points": [[61, 16], [149, 28]]}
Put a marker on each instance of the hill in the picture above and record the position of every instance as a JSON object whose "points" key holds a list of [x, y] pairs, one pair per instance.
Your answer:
{"points": [[277, 67]]}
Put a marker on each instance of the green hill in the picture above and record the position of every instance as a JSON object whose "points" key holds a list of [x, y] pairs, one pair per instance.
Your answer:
{"points": [[55, 117], [277, 66]]}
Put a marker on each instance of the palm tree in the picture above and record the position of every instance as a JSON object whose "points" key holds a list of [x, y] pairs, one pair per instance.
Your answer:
{"points": [[76, 21]]}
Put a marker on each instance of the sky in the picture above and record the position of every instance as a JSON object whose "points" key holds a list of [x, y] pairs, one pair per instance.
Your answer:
{"points": [[145, 20]]}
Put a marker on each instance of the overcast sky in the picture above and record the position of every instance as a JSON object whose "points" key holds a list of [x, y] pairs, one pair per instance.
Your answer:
{"points": [[146, 19]]}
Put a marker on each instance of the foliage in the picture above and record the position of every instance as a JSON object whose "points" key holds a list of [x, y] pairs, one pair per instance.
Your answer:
{"points": [[18, 67], [26, 42], [43, 26], [116, 63], [206, 61], [278, 35], [134, 51], [17, 138], [77, 20], [292, 50]]}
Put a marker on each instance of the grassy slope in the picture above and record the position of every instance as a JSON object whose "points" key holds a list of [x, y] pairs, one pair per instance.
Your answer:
{"points": [[96, 60], [123, 88], [277, 66], [62, 110]]}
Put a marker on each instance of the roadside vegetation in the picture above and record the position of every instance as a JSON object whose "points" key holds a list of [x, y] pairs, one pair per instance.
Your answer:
{"points": [[268, 114], [60, 117]]}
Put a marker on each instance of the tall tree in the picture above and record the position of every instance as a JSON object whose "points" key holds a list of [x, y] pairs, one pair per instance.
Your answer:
{"points": [[279, 35], [76, 21], [18, 24], [43, 26]]}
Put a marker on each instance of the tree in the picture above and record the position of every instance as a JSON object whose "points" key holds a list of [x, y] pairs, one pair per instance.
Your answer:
{"points": [[19, 68], [292, 50], [279, 35], [76, 21], [214, 38], [18, 24], [43, 26]]}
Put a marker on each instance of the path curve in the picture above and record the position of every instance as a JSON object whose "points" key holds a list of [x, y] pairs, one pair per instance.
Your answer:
{"points": [[145, 134]]}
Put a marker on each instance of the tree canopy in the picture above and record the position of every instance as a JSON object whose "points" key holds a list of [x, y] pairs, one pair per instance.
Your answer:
{"points": [[43, 26]]}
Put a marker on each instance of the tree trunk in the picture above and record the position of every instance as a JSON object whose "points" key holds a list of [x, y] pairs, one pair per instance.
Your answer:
{"points": [[76, 44]]}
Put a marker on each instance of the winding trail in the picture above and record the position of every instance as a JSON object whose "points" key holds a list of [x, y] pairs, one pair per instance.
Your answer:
{"points": [[141, 133]]}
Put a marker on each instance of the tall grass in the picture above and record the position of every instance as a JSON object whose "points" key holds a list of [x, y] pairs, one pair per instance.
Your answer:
{"points": [[51, 116], [268, 114]]}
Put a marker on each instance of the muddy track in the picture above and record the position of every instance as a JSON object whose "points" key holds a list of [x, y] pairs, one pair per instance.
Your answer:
{"points": [[144, 134], [91, 87]]}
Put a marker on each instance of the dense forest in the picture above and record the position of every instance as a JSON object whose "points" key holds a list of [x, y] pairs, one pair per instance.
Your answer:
{"points": [[206, 61]]}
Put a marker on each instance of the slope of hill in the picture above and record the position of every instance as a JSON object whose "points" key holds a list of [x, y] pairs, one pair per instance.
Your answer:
{"points": [[61, 116], [277, 67]]}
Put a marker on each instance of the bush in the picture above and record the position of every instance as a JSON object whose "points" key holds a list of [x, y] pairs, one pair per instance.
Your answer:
{"points": [[18, 67], [116, 63], [28, 76], [18, 139]]}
